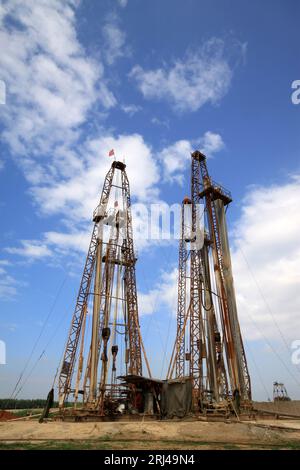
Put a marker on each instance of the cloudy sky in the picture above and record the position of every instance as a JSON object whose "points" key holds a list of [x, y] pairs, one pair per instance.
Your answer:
{"points": [[154, 80]]}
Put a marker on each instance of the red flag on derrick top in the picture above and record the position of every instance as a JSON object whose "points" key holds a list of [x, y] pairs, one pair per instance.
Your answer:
{"points": [[111, 153]]}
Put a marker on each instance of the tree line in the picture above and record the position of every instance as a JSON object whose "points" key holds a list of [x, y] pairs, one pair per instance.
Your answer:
{"points": [[23, 404]]}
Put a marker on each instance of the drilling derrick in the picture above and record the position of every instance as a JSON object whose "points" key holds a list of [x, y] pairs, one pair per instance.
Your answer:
{"points": [[216, 199], [182, 292], [207, 322], [107, 301]]}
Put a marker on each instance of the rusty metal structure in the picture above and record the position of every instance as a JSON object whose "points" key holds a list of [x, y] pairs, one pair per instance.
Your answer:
{"points": [[208, 346], [104, 339]]}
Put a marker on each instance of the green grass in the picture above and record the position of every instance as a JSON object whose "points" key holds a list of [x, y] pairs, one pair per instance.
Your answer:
{"points": [[106, 443], [54, 445]]}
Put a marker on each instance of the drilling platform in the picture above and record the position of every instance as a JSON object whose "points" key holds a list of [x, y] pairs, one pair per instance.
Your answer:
{"points": [[208, 349], [101, 373], [108, 298]]}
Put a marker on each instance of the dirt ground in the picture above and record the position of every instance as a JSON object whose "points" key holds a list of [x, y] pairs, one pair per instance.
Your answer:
{"points": [[270, 434], [6, 415], [287, 407]]}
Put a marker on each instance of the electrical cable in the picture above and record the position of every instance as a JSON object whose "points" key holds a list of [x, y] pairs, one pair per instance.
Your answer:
{"points": [[152, 318], [29, 375], [267, 341], [265, 301], [43, 353], [274, 350], [257, 370], [39, 336]]}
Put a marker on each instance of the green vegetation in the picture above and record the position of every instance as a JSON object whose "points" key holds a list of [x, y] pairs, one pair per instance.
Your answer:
{"points": [[32, 404], [25, 412], [11, 404], [108, 444]]}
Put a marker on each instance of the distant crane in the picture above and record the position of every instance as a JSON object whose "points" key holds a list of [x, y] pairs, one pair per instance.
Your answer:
{"points": [[280, 392]]}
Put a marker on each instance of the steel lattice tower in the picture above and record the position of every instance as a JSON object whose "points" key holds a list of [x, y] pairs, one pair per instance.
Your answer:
{"points": [[108, 286], [207, 321], [182, 294], [216, 199]]}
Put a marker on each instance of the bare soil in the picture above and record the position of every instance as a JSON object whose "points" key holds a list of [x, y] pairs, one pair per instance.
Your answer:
{"points": [[6, 415], [269, 434], [286, 407]]}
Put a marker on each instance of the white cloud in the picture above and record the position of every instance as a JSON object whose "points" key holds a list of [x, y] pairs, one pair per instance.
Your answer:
{"points": [[53, 247], [77, 196], [266, 259], [175, 159], [66, 242], [266, 266], [123, 3], [211, 143], [4, 262], [52, 86], [201, 77], [160, 122], [51, 82], [51, 94], [31, 249], [131, 109], [177, 156], [163, 295], [114, 39], [8, 285]]}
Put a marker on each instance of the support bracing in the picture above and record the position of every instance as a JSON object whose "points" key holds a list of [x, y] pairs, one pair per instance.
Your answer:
{"points": [[207, 320], [112, 344], [182, 289]]}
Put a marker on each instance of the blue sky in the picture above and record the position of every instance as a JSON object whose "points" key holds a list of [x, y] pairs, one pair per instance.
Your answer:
{"points": [[153, 80]]}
